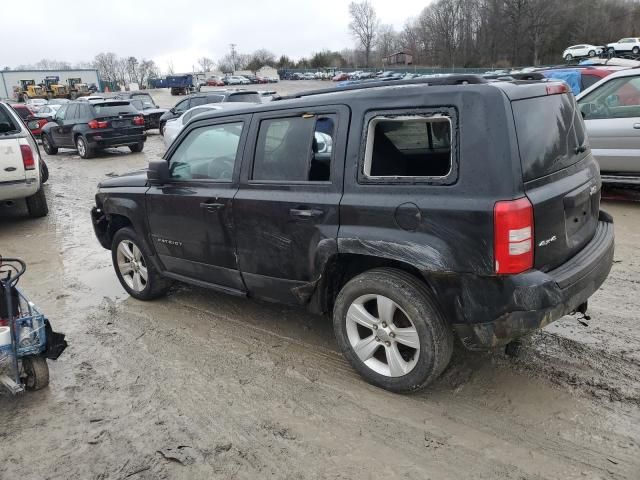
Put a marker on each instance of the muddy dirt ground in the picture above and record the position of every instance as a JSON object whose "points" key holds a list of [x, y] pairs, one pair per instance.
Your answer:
{"points": [[203, 385]]}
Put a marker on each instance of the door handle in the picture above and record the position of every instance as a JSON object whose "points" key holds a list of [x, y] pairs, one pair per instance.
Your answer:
{"points": [[305, 212], [211, 207], [636, 126]]}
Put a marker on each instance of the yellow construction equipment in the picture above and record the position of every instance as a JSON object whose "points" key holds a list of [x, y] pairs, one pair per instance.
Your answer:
{"points": [[28, 89], [53, 88], [77, 88]]}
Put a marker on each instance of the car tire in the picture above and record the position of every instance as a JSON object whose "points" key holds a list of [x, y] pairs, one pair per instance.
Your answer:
{"points": [[37, 204], [568, 57], [592, 53], [136, 148], [393, 304], [36, 372], [635, 50], [84, 150], [44, 172], [48, 145], [130, 259]]}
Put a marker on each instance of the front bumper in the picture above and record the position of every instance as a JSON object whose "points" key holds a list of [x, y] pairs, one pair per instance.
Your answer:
{"points": [[535, 299]]}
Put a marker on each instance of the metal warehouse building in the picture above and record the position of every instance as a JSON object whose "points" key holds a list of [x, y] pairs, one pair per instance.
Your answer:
{"points": [[11, 78]]}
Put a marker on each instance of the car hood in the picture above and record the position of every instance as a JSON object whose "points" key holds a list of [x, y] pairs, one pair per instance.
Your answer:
{"points": [[137, 178]]}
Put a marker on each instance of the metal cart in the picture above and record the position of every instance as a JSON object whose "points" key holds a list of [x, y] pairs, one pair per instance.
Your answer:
{"points": [[23, 360]]}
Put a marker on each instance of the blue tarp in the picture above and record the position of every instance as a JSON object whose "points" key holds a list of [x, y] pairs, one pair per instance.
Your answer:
{"points": [[571, 76]]}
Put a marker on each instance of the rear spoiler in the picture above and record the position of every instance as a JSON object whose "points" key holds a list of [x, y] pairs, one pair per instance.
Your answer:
{"points": [[519, 90]]}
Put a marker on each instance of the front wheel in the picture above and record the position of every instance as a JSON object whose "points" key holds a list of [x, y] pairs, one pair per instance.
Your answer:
{"points": [[136, 148], [635, 50], [391, 330], [592, 53], [136, 273], [36, 372], [568, 57]]}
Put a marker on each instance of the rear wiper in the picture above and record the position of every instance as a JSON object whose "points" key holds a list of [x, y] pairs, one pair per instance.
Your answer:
{"points": [[581, 148]]}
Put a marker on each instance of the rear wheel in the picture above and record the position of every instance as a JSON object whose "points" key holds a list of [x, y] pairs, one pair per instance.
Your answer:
{"points": [[48, 145], [136, 273], [44, 172], [391, 330], [83, 148], [37, 204], [635, 50], [36, 372], [136, 147], [592, 53]]}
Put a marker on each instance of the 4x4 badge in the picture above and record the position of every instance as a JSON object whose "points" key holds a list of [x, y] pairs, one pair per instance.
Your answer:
{"points": [[546, 242]]}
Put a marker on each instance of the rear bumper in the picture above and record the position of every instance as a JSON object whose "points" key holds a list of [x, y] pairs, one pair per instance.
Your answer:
{"points": [[18, 189], [621, 179], [98, 140], [536, 298]]}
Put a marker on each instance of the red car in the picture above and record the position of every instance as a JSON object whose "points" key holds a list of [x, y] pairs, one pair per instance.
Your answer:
{"points": [[341, 77], [262, 80], [32, 122], [215, 82]]}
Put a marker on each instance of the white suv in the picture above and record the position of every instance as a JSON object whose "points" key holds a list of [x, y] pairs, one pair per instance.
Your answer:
{"points": [[22, 171], [630, 44]]}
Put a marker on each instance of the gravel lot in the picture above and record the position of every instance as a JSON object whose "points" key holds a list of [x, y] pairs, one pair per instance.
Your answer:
{"points": [[203, 385]]}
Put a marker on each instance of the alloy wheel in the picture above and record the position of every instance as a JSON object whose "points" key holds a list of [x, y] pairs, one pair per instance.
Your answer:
{"points": [[132, 266], [82, 149], [382, 335]]}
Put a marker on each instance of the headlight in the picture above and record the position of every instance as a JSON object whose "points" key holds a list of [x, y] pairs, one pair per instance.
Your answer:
{"points": [[33, 125]]}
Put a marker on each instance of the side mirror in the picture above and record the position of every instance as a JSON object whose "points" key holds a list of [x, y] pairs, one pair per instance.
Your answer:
{"points": [[158, 172], [172, 110]]}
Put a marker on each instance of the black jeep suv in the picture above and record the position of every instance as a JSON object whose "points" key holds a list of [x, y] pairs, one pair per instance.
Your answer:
{"points": [[410, 211], [91, 127]]}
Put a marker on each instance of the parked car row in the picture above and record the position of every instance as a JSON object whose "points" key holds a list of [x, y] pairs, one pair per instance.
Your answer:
{"points": [[245, 79]]}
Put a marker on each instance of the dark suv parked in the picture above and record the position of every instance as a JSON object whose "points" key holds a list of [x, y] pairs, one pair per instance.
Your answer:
{"points": [[90, 127], [145, 104], [410, 211], [212, 96]]}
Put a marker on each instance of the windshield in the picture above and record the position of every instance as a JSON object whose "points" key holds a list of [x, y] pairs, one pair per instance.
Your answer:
{"points": [[114, 109], [550, 129]]}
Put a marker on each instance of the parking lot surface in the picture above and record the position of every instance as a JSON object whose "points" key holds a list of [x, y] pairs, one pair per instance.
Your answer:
{"points": [[203, 385]]}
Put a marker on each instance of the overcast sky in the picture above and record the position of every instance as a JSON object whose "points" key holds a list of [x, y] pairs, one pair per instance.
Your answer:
{"points": [[181, 30]]}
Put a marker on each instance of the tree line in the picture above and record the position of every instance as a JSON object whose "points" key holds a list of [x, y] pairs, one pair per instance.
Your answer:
{"points": [[483, 33]]}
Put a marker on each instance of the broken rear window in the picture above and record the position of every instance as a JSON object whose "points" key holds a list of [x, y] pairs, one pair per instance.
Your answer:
{"points": [[408, 146]]}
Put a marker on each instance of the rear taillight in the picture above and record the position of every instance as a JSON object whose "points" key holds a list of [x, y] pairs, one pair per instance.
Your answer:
{"points": [[556, 88], [513, 236], [28, 160], [138, 121], [98, 124]]}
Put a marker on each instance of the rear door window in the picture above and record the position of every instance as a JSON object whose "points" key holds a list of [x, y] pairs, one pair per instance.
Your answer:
{"points": [[549, 130], [197, 101], [72, 112], [295, 149]]}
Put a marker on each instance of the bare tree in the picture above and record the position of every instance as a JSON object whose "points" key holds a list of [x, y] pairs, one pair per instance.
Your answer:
{"points": [[205, 64], [364, 26], [106, 64], [132, 69], [170, 68], [388, 41], [146, 69]]}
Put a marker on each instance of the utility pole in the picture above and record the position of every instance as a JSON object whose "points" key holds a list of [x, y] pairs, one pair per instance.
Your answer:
{"points": [[233, 56]]}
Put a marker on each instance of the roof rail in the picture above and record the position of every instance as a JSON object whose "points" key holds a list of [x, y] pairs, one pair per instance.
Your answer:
{"points": [[465, 79]]}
